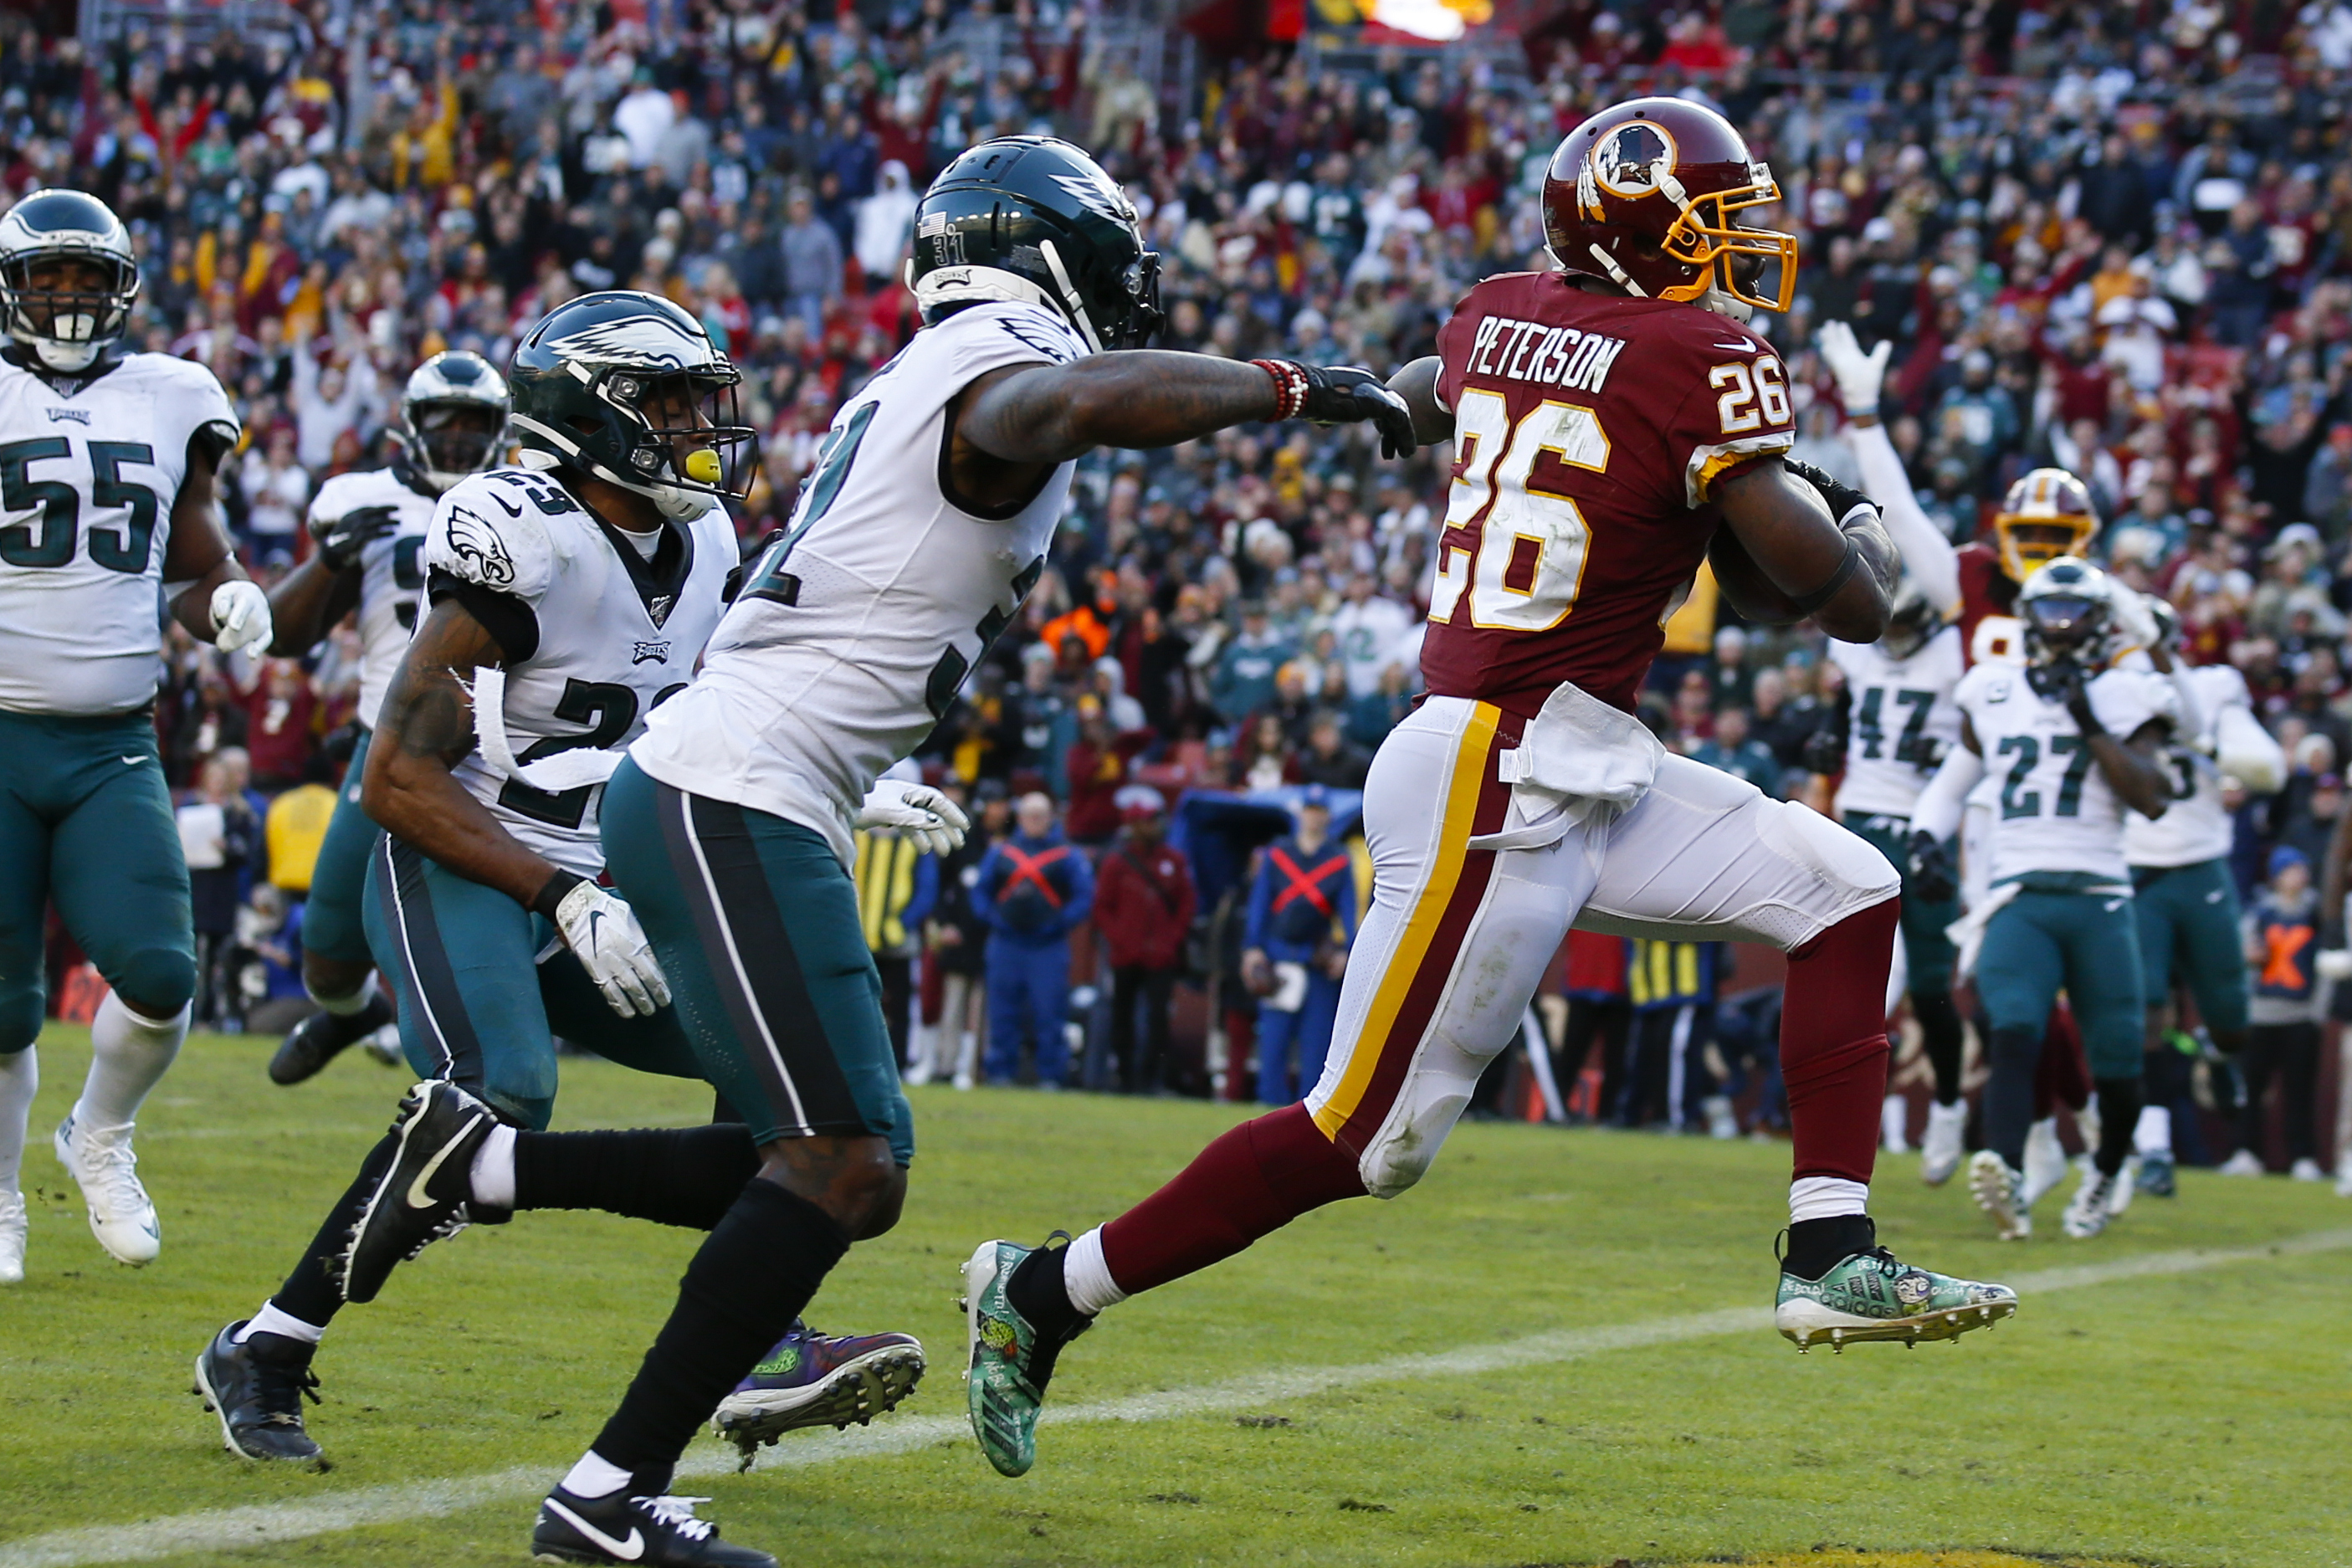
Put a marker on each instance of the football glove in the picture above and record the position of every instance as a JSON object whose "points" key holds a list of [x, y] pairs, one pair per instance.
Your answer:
{"points": [[604, 935], [340, 539], [1858, 374], [2134, 623], [1932, 877], [913, 811], [240, 615], [1342, 394], [1842, 500]]}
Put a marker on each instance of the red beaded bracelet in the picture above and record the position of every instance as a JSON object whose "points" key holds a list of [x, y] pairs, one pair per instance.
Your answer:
{"points": [[1289, 386]]}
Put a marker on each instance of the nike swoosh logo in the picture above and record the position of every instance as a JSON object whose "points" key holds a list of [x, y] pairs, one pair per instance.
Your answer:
{"points": [[595, 918], [512, 511], [2114, 904], [2214, 897], [132, 761], [627, 1551], [418, 1198], [1744, 345]]}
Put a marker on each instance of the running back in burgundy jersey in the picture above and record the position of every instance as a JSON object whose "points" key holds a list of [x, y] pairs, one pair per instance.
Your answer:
{"points": [[1990, 632], [1589, 431]]}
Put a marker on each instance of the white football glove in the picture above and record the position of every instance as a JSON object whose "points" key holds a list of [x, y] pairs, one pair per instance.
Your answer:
{"points": [[1858, 374], [240, 615], [914, 811], [2134, 623], [603, 932]]}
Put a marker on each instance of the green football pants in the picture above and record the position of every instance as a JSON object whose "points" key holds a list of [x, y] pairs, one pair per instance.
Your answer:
{"points": [[2085, 943], [86, 821], [334, 920], [755, 923], [2188, 919]]}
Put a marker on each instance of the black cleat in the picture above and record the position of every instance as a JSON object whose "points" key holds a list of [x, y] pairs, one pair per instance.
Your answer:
{"points": [[421, 1198], [656, 1531], [257, 1389], [322, 1037]]}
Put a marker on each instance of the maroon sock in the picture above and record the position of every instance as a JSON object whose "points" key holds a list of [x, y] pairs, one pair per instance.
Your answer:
{"points": [[1250, 1183], [2062, 1074], [1833, 1042]]}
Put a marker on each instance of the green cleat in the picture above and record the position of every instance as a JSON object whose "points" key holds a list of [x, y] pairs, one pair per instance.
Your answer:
{"points": [[1871, 1296], [1011, 1364]]}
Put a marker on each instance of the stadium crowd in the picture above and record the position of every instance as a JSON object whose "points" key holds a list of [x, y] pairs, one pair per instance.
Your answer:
{"points": [[2118, 238]]}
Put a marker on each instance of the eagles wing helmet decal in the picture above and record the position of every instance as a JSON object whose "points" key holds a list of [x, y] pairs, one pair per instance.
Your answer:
{"points": [[472, 539], [644, 342]]}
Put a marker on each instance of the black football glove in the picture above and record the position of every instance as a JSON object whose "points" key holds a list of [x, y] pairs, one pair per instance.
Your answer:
{"points": [[1840, 499], [1342, 394], [1932, 877], [340, 539], [1823, 751], [2067, 683]]}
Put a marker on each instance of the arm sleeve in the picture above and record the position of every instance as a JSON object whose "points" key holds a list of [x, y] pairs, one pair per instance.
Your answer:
{"points": [[2122, 700], [1928, 555], [1938, 809], [2247, 751]]}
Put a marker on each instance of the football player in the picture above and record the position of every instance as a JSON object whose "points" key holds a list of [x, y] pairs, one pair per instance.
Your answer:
{"points": [[106, 501], [923, 527], [2184, 900], [369, 528], [2046, 513], [564, 598], [2070, 744], [1615, 424]]}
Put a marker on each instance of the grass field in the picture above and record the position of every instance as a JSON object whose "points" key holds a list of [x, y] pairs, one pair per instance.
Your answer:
{"points": [[1575, 1370]]}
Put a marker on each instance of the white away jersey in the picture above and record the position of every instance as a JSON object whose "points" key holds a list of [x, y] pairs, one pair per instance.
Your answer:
{"points": [[613, 635], [2053, 809], [2197, 828], [87, 482], [391, 571], [1900, 723], [857, 625]]}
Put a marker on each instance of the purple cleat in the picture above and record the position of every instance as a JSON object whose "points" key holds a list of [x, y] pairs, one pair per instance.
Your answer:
{"points": [[811, 1379]]}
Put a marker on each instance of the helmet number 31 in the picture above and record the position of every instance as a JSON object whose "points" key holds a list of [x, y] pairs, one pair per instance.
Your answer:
{"points": [[1513, 549]]}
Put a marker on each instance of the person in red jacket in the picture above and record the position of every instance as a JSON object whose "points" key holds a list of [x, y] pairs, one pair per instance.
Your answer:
{"points": [[1143, 905]]}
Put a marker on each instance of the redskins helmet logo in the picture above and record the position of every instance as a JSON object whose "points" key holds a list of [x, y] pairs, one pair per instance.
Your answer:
{"points": [[1633, 159]]}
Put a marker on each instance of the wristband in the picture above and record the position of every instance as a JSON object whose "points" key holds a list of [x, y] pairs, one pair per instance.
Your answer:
{"points": [[553, 893], [1808, 603], [1290, 386]]}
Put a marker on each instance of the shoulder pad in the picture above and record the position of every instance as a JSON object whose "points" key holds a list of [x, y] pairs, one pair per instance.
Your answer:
{"points": [[486, 533]]}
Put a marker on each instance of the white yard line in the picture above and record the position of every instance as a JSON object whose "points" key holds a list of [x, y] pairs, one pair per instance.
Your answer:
{"points": [[230, 1530]]}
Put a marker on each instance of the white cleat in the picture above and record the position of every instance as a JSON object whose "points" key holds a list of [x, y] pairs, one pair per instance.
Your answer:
{"points": [[2089, 1213], [2045, 1162], [2126, 1184], [2343, 1176], [122, 1216], [2307, 1170], [1894, 1122], [1940, 1145], [12, 1239], [2245, 1163], [1995, 1187]]}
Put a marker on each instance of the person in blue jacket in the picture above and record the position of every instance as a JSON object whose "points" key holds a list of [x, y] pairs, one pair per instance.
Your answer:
{"points": [[1034, 889], [1302, 916]]}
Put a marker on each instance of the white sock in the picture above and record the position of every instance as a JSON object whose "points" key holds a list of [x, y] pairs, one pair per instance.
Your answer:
{"points": [[1826, 1197], [344, 1007], [270, 1320], [20, 1076], [493, 1173], [129, 1056], [1087, 1278], [595, 1476], [2153, 1135]]}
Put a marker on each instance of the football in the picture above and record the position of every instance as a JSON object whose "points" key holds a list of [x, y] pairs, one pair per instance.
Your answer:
{"points": [[1743, 581]]}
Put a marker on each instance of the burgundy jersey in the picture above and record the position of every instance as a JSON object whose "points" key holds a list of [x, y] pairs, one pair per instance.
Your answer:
{"points": [[1589, 430], [1990, 632]]}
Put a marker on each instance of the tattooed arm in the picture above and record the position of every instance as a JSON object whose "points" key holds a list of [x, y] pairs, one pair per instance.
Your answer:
{"points": [[425, 728]]}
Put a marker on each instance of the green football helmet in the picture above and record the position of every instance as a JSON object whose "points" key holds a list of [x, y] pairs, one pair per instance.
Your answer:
{"points": [[585, 378], [1033, 219]]}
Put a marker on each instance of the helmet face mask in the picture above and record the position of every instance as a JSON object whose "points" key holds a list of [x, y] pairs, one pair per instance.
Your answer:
{"points": [[68, 277], [1648, 193], [627, 387], [2066, 607]]}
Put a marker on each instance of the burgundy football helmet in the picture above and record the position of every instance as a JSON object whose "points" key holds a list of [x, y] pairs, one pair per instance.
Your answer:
{"points": [[1643, 195]]}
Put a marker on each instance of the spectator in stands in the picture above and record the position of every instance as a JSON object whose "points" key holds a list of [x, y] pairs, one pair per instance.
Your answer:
{"points": [[218, 834], [1330, 759], [959, 946], [1737, 752], [1034, 887], [813, 263], [1143, 905], [278, 724], [897, 884], [1246, 670]]}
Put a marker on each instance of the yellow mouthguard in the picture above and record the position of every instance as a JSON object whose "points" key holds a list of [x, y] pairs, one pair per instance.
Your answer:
{"points": [[702, 467]]}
